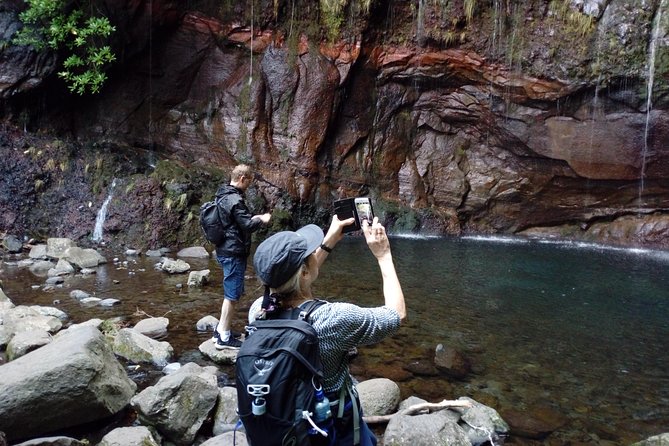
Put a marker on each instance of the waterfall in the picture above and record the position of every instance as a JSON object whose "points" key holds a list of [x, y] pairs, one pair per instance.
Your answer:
{"points": [[657, 25], [420, 23], [102, 214]]}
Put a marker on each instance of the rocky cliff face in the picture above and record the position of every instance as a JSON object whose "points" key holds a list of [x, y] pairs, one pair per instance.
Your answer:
{"points": [[512, 118]]}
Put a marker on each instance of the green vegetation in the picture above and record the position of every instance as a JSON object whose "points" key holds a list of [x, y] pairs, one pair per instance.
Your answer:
{"points": [[577, 23], [470, 6], [332, 16], [81, 35]]}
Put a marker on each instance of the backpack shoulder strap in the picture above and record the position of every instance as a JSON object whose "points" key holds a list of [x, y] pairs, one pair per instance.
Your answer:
{"points": [[301, 312], [308, 307]]}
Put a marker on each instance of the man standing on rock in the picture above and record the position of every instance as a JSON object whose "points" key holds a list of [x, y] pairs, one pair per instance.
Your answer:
{"points": [[233, 252]]}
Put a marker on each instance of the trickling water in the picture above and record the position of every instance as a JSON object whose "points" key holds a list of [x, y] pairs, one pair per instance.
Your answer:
{"points": [[420, 22], [102, 214], [657, 24], [251, 47]]}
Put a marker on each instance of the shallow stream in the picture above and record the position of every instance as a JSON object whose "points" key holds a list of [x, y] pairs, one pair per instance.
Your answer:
{"points": [[577, 331]]}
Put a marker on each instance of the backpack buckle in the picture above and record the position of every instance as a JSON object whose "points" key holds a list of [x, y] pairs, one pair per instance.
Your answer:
{"points": [[257, 389]]}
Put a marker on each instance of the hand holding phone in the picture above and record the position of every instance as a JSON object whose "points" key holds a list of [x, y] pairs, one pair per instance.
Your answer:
{"points": [[360, 208]]}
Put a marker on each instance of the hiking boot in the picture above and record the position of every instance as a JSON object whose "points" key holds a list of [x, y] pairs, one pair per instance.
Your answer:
{"points": [[231, 343]]}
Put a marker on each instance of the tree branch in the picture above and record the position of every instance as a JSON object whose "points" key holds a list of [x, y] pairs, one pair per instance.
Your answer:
{"points": [[419, 408]]}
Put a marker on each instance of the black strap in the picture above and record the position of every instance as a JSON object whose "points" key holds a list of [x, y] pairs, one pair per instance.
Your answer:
{"points": [[302, 312]]}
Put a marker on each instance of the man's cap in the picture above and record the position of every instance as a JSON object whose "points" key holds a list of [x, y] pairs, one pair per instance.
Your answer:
{"points": [[279, 257]]}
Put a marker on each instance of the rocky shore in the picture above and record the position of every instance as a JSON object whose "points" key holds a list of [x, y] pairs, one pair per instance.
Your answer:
{"points": [[61, 375]]}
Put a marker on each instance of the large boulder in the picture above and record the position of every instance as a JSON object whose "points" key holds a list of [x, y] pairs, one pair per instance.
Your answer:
{"points": [[73, 380], [179, 403], [83, 258]]}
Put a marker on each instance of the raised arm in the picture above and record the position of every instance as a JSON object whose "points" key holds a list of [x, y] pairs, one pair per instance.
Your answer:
{"points": [[378, 243], [332, 237]]}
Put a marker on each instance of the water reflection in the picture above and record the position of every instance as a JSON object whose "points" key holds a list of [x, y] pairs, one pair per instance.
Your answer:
{"points": [[577, 329]]}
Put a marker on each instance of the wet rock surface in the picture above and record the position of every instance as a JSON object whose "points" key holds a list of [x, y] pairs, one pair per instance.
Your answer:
{"points": [[448, 138]]}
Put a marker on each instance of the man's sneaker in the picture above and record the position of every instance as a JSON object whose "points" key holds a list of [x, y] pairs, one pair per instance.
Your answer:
{"points": [[216, 336], [231, 343]]}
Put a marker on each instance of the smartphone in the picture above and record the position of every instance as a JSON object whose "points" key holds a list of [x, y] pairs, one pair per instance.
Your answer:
{"points": [[360, 208]]}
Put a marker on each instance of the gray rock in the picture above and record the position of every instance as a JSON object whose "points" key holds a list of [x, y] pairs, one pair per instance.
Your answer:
{"points": [[25, 263], [6, 335], [12, 244], [435, 429], [194, 251], [481, 423], [53, 441], [138, 348], [23, 318], [38, 252], [63, 267], [198, 278], [171, 368], [95, 323], [56, 247], [109, 302], [452, 362], [24, 342], [207, 323], [5, 302], [41, 267], [179, 403], [226, 356], [50, 311], [83, 258], [79, 294], [225, 417], [153, 327], [378, 396], [129, 436], [174, 266], [42, 384], [54, 280], [237, 438], [90, 301], [657, 440]]}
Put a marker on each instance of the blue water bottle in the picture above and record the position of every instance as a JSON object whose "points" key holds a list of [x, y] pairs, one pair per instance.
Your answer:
{"points": [[322, 409]]}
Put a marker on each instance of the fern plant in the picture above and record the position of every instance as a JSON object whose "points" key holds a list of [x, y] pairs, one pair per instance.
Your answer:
{"points": [[52, 24]]}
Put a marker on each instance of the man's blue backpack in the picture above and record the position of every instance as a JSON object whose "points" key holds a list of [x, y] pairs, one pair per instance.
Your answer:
{"points": [[278, 370]]}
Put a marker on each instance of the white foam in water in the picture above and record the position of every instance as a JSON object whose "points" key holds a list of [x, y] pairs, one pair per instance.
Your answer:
{"points": [[645, 252], [495, 238], [414, 236]]}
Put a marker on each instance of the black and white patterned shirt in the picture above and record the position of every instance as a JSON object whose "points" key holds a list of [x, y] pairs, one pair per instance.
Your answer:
{"points": [[341, 326]]}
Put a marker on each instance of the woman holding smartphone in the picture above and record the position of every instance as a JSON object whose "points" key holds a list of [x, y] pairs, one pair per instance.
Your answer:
{"points": [[288, 264]]}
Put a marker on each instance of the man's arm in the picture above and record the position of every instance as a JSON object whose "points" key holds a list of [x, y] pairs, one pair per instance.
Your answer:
{"points": [[246, 220]]}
